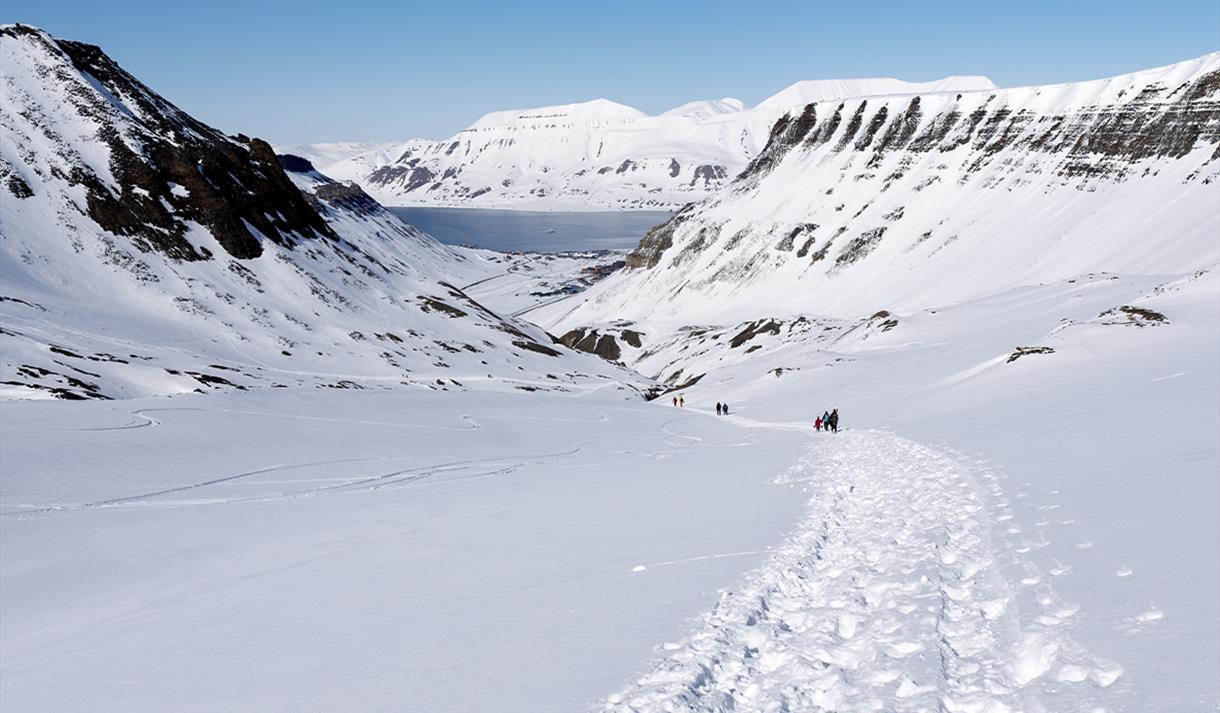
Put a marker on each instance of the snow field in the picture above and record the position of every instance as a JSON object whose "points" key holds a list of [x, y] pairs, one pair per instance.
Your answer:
{"points": [[317, 550]]}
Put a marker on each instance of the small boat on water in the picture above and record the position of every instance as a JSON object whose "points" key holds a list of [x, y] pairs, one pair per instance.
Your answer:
{"points": [[550, 230]]}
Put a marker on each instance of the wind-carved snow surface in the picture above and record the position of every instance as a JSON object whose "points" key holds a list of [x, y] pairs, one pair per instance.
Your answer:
{"points": [[890, 596], [593, 155]]}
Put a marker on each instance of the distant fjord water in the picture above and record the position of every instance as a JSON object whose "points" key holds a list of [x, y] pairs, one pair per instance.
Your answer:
{"points": [[534, 231]]}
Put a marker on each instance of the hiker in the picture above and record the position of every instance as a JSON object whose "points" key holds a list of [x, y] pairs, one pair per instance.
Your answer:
{"points": [[675, 402], [726, 409], [826, 420], [717, 408], [682, 401], [817, 424], [834, 420]]}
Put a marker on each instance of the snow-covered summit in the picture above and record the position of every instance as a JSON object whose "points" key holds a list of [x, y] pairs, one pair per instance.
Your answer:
{"points": [[595, 113]]}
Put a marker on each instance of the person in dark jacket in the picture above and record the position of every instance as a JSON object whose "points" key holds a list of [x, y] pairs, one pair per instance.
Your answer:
{"points": [[834, 420], [717, 408], [725, 408]]}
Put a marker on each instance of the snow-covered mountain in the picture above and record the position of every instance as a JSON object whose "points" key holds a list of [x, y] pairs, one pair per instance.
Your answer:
{"points": [[594, 155], [1011, 299], [144, 252], [909, 202]]}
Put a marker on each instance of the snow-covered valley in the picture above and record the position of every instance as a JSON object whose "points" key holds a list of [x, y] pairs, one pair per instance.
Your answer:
{"points": [[263, 446]]}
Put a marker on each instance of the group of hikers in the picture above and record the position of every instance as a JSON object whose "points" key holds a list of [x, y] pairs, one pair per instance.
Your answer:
{"points": [[721, 409], [828, 421]]}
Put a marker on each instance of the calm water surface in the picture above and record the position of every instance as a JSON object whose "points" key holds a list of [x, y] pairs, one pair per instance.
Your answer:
{"points": [[509, 230]]}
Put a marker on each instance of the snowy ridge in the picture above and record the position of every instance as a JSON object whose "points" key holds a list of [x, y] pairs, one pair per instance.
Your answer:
{"points": [[708, 108], [146, 253], [888, 597], [598, 154], [817, 90], [365, 155], [960, 195]]}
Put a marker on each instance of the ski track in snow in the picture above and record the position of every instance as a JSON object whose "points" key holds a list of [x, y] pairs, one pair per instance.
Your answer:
{"points": [[455, 470], [890, 596], [397, 477]]}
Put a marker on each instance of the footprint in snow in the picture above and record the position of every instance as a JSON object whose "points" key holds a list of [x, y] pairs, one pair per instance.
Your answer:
{"points": [[1060, 569], [903, 649], [1138, 623], [1152, 614]]}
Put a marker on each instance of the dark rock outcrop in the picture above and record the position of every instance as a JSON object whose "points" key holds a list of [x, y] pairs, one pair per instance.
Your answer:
{"points": [[168, 168], [593, 342], [657, 240]]}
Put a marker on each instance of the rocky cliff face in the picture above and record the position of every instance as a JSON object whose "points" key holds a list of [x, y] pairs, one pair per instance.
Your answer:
{"points": [[164, 171], [913, 201]]}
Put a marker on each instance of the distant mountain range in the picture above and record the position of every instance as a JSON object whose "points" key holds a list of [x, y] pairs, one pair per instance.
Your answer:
{"points": [[592, 155]]}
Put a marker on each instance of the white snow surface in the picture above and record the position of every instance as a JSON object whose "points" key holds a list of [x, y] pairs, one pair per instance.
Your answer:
{"points": [[596, 155], [340, 550]]}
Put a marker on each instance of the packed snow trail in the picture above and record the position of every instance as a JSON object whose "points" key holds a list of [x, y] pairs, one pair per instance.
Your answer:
{"points": [[889, 597]]}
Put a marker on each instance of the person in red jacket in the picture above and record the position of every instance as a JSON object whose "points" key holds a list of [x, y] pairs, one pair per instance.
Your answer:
{"points": [[817, 425]]}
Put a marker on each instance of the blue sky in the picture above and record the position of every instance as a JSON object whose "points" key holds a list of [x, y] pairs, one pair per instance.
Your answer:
{"points": [[318, 71]]}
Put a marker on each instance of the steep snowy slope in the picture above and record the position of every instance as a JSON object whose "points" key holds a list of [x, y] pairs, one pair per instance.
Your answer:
{"points": [[908, 202], [144, 253], [598, 154]]}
